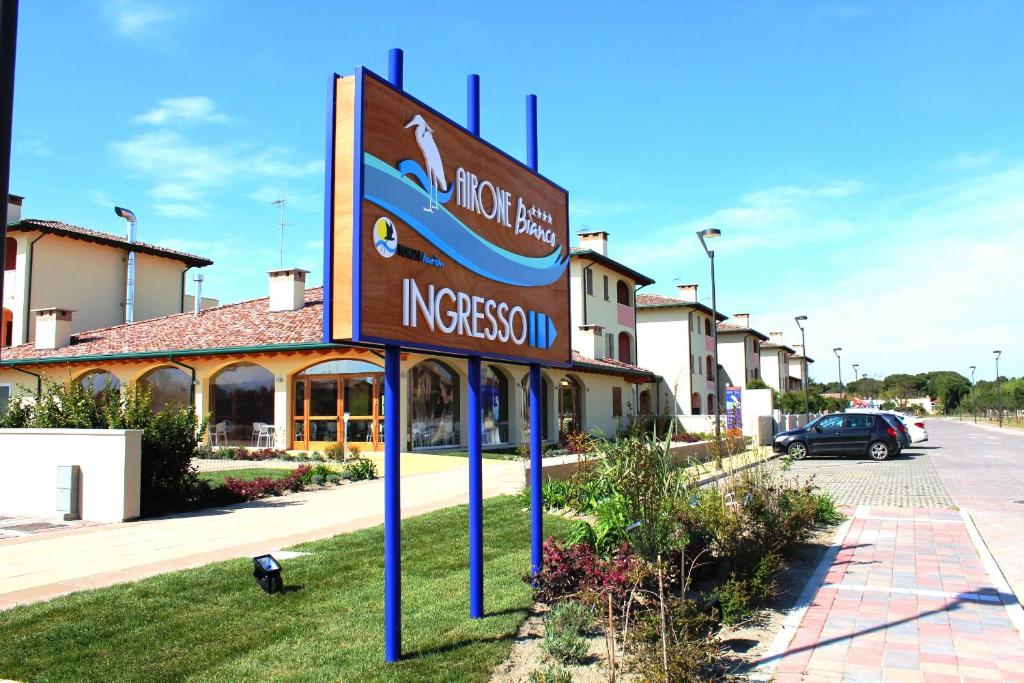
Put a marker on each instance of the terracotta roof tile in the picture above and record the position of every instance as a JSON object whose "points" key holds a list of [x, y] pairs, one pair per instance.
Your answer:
{"points": [[78, 232], [247, 323], [608, 365], [659, 301]]}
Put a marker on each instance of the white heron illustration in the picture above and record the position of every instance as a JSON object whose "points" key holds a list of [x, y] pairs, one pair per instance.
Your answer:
{"points": [[431, 158]]}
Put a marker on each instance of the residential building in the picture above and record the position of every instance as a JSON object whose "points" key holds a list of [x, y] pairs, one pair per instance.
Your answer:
{"points": [[775, 357], [53, 264], [739, 350], [798, 367], [677, 343]]}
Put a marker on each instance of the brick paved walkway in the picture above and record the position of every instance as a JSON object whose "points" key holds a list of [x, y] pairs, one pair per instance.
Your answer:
{"points": [[906, 598], [907, 480]]}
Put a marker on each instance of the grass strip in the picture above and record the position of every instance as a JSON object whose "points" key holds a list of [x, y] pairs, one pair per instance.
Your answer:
{"points": [[214, 624], [216, 478]]}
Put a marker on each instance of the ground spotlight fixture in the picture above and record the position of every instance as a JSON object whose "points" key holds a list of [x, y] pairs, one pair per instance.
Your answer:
{"points": [[267, 572]]}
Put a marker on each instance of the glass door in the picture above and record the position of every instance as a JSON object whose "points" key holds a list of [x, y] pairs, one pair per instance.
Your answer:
{"points": [[320, 404]]}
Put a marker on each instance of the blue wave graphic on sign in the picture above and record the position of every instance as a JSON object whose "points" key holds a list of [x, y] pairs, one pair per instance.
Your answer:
{"points": [[388, 188]]}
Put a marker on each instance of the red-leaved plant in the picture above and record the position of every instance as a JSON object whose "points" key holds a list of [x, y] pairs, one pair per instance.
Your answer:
{"points": [[265, 486], [576, 571]]}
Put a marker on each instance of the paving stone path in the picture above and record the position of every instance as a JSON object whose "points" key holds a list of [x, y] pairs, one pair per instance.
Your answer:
{"points": [[907, 598], [906, 480]]}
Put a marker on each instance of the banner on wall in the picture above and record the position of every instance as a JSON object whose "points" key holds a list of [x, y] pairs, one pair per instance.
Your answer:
{"points": [[733, 407]]}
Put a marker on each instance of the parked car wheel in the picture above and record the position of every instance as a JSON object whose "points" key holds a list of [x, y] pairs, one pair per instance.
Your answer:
{"points": [[878, 451], [798, 450]]}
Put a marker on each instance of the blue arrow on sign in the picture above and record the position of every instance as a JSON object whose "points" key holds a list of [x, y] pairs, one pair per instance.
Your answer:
{"points": [[542, 332]]}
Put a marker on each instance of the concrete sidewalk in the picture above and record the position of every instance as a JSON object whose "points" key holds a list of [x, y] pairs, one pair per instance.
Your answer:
{"points": [[907, 598], [41, 567]]}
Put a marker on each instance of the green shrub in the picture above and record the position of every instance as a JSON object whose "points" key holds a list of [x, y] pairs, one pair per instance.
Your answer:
{"points": [[563, 633], [552, 673], [358, 470], [826, 512], [335, 451], [318, 475]]}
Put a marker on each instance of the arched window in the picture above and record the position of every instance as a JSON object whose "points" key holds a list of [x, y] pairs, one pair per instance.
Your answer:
{"points": [[570, 395], [711, 404], [242, 398], [622, 293], [493, 405], [544, 391], [710, 370], [625, 347], [167, 387], [433, 405], [645, 402], [10, 254], [707, 326], [695, 403], [99, 383]]}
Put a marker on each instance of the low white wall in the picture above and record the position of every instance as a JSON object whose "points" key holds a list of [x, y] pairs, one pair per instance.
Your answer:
{"points": [[754, 404], [111, 471], [699, 423]]}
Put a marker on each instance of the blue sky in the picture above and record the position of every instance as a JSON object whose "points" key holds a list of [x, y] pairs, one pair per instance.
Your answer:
{"points": [[864, 160]]}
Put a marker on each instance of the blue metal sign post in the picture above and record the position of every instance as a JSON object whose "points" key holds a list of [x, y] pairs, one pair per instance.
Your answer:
{"points": [[536, 390], [476, 464], [392, 473]]}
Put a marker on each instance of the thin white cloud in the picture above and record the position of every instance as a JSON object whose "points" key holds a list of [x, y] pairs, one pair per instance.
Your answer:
{"points": [[184, 172], [587, 209], [136, 20], [197, 109], [34, 144], [968, 161]]}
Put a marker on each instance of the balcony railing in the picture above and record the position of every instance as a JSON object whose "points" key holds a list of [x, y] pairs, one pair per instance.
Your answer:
{"points": [[625, 315]]}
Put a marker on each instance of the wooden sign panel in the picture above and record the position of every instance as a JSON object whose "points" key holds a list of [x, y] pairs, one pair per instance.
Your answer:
{"points": [[436, 240]]}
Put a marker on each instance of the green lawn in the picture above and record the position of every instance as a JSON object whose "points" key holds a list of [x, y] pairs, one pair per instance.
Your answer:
{"points": [[217, 478], [214, 624]]}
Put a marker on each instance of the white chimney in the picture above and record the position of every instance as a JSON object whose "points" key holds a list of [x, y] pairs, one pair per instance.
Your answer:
{"points": [[53, 327], [595, 240], [687, 292], [775, 337], [741, 319], [14, 208], [799, 348], [287, 289]]}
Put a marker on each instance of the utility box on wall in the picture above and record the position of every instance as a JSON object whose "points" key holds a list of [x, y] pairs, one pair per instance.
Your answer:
{"points": [[68, 487]]}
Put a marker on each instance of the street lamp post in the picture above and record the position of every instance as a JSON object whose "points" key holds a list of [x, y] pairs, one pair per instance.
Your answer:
{"points": [[839, 364], [803, 344], [974, 403], [999, 396], [855, 366], [711, 233]]}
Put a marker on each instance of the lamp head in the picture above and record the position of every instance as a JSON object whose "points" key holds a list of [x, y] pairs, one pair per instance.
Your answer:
{"points": [[998, 353], [710, 233]]}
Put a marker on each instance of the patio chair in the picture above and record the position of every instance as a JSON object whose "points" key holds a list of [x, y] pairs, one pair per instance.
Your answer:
{"points": [[264, 435], [219, 434], [256, 427]]}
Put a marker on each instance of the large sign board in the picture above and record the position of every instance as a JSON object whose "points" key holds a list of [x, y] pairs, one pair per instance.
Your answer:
{"points": [[437, 240]]}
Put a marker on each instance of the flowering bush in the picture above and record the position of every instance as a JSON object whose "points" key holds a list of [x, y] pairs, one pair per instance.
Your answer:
{"points": [[577, 571], [685, 437], [258, 454], [265, 486]]}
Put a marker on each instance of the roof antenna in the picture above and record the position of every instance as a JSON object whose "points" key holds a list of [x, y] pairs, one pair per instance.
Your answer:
{"points": [[281, 202]]}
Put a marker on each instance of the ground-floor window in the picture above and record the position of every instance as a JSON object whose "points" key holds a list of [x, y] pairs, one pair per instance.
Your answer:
{"points": [[324, 394], [545, 387], [695, 403], [493, 405], [711, 404], [616, 401], [569, 411], [645, 403], [433, 405], [100, 383], [242, 404], [167, 387]]}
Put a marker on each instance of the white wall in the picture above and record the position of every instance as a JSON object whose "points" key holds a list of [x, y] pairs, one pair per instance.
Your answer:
{"points": [[665, 350], [111, 474], [599, 311]]}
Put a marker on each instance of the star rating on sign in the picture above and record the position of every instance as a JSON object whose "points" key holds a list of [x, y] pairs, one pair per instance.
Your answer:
{"points": [[540, 213]]}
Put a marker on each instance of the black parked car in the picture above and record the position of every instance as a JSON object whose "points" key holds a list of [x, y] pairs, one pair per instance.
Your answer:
{"points": [[841, 434]]}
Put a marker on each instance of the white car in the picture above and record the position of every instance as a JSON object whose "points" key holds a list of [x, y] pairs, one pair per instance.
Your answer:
{"points": [[915, 425]]}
